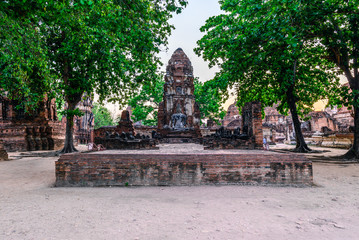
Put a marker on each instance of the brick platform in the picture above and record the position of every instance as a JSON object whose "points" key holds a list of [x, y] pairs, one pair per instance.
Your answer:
{"points": [[156, 169]]}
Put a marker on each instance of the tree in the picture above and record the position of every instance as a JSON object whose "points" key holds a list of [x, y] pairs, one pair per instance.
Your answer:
{"points": [[103, 46], [336, 27], [263, 50], [102, 116], [25, 75], [145, 103]]}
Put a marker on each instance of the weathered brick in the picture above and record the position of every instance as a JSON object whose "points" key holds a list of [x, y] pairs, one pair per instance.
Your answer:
{"points": [[187, 169]]}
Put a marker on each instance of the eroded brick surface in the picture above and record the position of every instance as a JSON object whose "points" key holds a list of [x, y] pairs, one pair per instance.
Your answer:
{"points": [[182, 169]]}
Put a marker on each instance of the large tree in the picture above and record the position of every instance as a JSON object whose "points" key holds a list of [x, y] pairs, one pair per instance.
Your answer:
{"points": [[263, 51], [336, 27], [103, 46]]}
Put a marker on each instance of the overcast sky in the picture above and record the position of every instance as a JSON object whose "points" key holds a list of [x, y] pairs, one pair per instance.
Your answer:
{"points": [[187, 34]]}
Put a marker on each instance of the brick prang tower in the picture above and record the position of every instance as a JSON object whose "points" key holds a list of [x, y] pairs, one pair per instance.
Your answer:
{"points": [[179, 99]]}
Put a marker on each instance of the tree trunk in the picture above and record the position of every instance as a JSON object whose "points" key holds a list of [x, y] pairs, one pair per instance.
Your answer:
{"points": [[353, 152], [301, 146], [69, 139]]}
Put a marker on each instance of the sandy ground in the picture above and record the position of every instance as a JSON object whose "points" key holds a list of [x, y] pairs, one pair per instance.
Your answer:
{"points": [[31, 208]]}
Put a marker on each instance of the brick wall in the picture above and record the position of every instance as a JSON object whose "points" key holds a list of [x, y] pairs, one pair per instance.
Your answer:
{"points": [[145, 130], [188, 169]]}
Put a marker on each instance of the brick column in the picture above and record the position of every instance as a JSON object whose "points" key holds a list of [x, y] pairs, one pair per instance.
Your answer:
{"points": [[11, 112], [257, 123], [252, 119], [0, 110]]}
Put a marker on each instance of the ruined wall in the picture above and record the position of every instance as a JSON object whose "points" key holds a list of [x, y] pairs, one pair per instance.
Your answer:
{"points": [[82, 170], [145, 130], [21, 131]]}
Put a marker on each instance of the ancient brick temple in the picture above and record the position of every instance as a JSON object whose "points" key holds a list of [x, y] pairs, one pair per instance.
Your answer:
{"points": [[248, 136], [124, 126], [233, 118], [84, 125], [23, 132], [178, 114]]}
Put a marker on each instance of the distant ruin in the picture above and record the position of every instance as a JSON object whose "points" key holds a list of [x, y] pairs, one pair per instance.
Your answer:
{"points": [[331, 127], [123, 136], [24, 132], [250, 136], [41, 129]]}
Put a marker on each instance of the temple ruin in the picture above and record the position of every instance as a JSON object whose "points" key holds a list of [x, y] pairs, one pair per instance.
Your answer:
{"points": [[331, 127], [123, 136], [24, 132], [84, 125], [178, 114], [41, 129], [250, 136]]}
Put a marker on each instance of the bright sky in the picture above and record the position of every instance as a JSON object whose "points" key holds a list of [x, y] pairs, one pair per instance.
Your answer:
{"points": [[187, 34]]}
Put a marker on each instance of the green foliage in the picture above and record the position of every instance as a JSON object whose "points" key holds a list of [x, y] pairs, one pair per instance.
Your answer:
{"points": [[264, 51], [209, 100], [71, 112], [336, 27], [102, 116], [24, 70], [145, 103]]}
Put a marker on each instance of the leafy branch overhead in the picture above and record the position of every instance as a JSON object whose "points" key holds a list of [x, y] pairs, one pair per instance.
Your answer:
{"points": [[264, 51], [108, 47]]}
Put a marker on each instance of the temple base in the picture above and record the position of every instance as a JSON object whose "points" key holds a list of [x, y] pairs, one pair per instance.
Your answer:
{"points": [[160, 169]]}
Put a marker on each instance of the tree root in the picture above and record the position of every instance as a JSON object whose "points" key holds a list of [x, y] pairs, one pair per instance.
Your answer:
{"points": [[302, 149], [68, 149], [350, 155]]}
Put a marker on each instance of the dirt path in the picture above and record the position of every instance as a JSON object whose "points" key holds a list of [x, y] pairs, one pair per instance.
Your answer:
{"points": [[30, 208]]}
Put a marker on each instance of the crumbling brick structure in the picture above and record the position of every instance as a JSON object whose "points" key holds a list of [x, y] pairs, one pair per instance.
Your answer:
{"points": [[21, 131], [233, 119], [89, 170], [249, 137], [123, 136], [178, 114]]}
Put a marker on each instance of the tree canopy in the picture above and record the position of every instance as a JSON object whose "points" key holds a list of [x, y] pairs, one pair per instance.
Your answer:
{"points": [[25, 74], [264, 51], [209, 100], [145, 103], [337, 29], [108, 47]]}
